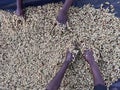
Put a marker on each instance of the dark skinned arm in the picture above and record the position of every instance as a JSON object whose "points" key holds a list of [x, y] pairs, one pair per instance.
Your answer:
{"points": [[56, 81], [62, 16], [98, 80], [19, 10], [67, 5]]}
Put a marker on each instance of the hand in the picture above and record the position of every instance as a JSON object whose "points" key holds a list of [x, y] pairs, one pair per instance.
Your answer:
{"points": [[88, 54], [69, 56], [62, 17], [19, 12]]}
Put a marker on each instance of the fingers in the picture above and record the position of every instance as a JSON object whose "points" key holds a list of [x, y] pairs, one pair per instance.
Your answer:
{"points": [[62, 18], [61, 22], [19, 12], [67, 51], [87, 54], [88, 51]]}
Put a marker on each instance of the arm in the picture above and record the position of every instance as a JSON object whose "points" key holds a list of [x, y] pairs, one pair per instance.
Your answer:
{"points": [[19, 4], [96, 74], [19, 10], [62, 16], [55, 83], [98, 80], [67, 5]]}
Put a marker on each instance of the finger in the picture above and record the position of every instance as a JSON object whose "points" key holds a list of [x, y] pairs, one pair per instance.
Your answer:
{"points": [[90, 51], [67, 51], [85, 51], [61, 24], [84, 55], [58, 20]]}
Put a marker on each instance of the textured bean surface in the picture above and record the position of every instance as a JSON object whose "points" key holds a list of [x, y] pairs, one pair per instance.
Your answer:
{"points": [[33, 50]]}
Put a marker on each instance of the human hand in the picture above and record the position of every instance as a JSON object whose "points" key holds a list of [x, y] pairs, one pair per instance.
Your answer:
{"points": [[62, 17], [88, 54], [69, 56], [19, 12]]}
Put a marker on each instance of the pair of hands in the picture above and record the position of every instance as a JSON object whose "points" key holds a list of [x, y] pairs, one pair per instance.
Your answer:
{"points": [[88, 55], [61, 18]]}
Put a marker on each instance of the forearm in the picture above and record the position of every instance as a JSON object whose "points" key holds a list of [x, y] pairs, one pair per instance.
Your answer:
{"points": [[19, 4], [67, 5], [96, 74], [55, 83]]}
